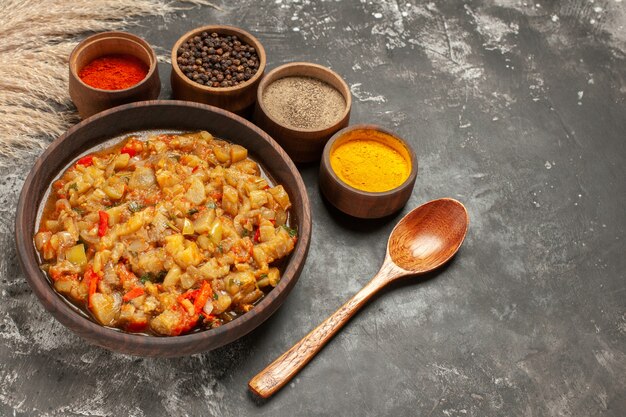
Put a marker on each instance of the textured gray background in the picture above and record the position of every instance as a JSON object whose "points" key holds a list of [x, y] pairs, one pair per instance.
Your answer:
{"points": [[515, 108]]}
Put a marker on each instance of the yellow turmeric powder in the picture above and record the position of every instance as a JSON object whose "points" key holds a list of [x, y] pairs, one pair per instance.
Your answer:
{"points": [[371, 161]]}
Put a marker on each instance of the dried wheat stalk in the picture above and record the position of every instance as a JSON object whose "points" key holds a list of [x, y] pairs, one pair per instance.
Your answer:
{"points": [[36, 38]]}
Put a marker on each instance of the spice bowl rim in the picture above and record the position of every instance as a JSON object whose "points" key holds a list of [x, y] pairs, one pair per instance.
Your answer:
{"points": [[359, 203], [365, 126], [254, 42], [126, 36], [267, 81]]}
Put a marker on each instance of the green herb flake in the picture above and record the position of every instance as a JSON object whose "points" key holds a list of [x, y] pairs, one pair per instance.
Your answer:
{"points": [[192, 211], [73, 186], [146, 277], [245, 233], [220, 248], [211, 205], [78, 210], [292, 232], [215, 296], [263, 276]]}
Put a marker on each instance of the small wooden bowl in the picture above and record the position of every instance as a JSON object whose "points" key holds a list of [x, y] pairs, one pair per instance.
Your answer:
{"points": [[363, 204], [238, 99], [303, 145], [90, 100], [158, 115]]}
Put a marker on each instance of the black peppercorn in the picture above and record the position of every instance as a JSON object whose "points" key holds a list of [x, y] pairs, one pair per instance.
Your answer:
{"points": [[216, 60]]}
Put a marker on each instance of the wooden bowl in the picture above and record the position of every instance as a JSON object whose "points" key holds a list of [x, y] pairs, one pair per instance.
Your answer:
{"points": [[237, 99], [363, 204], [90, 100], [158, 115], [303, 145]]}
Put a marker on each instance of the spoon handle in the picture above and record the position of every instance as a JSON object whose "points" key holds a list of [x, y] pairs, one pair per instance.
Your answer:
{"points": [[285, 367]]}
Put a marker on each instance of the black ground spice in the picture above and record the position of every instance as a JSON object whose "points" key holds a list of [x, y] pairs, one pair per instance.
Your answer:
{"points": [[217, 60]]}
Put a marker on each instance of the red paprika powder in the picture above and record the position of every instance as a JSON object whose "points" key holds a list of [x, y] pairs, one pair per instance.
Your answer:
{"points": [[114, 72]]}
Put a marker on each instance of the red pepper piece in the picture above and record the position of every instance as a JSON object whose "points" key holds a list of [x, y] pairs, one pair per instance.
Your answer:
{"points": [[257, 235], [85, 161], [132, 147], [91, 278], [186, 322], [205, 293], [189, 295], [132, 294], [131, 152], [103, 226]]}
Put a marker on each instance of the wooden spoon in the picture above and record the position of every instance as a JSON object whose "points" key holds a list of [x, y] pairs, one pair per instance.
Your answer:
{"points": [[425, 239]]}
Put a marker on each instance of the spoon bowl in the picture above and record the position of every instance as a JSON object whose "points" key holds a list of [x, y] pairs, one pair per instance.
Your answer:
{"points": [[428, 236], [425, 239]]}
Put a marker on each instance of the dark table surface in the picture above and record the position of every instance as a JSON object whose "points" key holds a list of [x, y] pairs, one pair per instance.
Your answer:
{"points": [[516, 109]]}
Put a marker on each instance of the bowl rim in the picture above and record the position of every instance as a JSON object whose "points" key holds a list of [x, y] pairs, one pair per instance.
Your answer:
{"points": [[119, 35], [410, 180], [216, 28], [267, 80], [39, 283]]}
